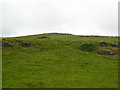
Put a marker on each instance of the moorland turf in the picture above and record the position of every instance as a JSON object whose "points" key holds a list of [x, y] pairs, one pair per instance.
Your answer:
{"points": [[58, 62]]}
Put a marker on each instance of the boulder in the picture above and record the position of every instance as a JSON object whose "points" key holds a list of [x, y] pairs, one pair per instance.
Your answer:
{"points": [[43, 38], [18, 41], [106, 44], [103, 52], [114, 45], [4, 40], [0, 43], [103, 44], [5, 44], [26, 44]]}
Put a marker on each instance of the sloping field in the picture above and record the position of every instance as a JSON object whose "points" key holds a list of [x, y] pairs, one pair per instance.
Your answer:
{"points": [[57, 61]]}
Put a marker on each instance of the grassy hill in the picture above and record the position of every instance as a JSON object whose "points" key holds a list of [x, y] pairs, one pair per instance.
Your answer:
{"points": [[56, 60]]}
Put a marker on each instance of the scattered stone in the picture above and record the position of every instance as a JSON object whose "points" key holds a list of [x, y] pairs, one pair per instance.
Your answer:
{"points": [[3, 39], [5, 44], [103, 44], [43, 38], [0, 43], [18, 41], [114, 45], [26, 44], [106, 44], [103, 52]]}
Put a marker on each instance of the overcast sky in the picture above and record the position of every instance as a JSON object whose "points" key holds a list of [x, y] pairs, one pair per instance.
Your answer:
{"points": [[80, 17]]}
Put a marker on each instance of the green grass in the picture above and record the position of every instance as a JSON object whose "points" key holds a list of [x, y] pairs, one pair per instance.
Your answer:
{"points": [[58, 63], [0, 65]]}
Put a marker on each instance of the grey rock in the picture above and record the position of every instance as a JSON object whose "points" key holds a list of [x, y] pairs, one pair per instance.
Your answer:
{"points": [[114, 45], [5, 44], [26, 44], [43, 38], [18, 41], [103, 44], [0, 43], [103, 52]]}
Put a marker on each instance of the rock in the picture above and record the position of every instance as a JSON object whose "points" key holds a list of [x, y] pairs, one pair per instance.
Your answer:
{"points": [[103, 52], [18, 41], [0, 43], [43, 38], [26, 44], [114, 45], [5, 44], [103, 44], [106, 44], [3, 39]]}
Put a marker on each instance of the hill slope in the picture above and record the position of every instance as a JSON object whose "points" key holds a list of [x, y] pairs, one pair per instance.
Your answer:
{"points": [[56, 61]]}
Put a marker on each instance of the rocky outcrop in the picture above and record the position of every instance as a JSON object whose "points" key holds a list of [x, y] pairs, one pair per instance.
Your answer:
{"points": [[5, 44], [43, 38], [26, 44], [108, 44], [104, 52], [114, 45], [103, 44]]}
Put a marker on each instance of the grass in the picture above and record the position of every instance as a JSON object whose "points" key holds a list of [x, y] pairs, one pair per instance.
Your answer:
{"points": [[0, 66], [58, 63]]}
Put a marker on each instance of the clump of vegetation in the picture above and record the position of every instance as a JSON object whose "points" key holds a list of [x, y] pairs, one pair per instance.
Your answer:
{"points": [[87, 47]]}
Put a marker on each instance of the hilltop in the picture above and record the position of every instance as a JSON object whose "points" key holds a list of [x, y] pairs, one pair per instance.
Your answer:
{"points": [[58, 60]]}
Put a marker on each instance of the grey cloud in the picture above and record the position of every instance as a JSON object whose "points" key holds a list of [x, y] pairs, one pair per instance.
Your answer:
{"points": [[88, 17]]}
